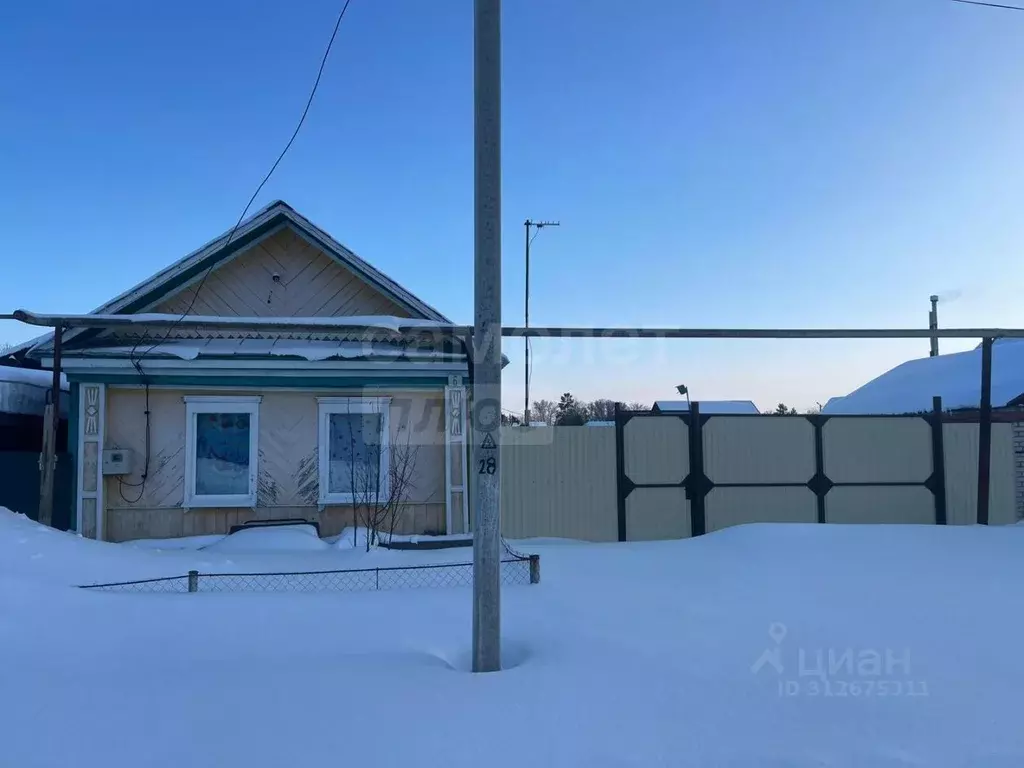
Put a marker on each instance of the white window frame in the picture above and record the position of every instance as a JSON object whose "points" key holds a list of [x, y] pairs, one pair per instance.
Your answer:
{"points": [[327, 406], [196, 404]]}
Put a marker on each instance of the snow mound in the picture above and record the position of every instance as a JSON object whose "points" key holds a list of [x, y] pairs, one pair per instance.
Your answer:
{"points": [[274, 538], [181, 543]]}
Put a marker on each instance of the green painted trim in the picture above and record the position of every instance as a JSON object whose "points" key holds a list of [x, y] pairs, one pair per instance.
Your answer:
{"points": [[73, 420], [271, 382]]}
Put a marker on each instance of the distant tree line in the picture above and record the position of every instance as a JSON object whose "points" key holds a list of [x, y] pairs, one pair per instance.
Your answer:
{"points": [[570, 412]]}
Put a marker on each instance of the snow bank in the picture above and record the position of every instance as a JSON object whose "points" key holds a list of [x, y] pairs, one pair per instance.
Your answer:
{"points": [[274, 538], [640, 654], [355, 538], [183, 542]]}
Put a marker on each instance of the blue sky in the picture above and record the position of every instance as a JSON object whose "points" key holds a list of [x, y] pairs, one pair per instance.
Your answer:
{"points": [[713, 162]]}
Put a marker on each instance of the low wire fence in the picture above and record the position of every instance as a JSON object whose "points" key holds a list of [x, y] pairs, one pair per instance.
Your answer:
{"points": [[515, 570]]}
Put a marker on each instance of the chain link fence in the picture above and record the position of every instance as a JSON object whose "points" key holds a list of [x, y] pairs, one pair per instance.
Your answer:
{"points": [[515, 570]]}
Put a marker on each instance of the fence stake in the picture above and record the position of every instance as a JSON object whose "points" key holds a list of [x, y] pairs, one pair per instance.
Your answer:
{"points": [[535, 569], [698, 480], [938, 477], [985, 431], [193, 581], [821, 483], [376, 578], [620, 470]]}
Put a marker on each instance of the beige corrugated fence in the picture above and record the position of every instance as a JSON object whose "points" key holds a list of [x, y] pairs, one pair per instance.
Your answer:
{"points": [[559, 482]]}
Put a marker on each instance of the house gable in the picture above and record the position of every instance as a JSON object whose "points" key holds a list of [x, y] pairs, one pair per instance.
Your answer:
{"points": [[320, 277], [310, 283]]}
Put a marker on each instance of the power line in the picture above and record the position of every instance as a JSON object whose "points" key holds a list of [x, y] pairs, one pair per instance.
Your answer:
{"points": [[277, 162], [991, 5]]}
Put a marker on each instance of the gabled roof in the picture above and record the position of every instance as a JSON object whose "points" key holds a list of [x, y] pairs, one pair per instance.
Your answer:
{"points": [[956, 378], [252, 230]]}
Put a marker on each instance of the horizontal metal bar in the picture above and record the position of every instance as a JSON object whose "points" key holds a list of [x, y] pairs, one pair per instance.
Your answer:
{"points": [[427, 327], [760, 333]]}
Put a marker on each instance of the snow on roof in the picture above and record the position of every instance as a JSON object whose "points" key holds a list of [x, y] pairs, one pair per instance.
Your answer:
{"points": [[956, 378], [35, 377], [708, 406], [306, 349], [25, 391], [599, 423]]}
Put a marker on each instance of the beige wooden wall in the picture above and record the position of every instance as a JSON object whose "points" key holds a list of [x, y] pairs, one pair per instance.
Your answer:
{"points": [[312, 284], [288, 461], [559, 482]]}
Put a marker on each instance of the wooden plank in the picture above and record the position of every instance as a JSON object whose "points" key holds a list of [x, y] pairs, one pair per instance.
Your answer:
{"points": [[314, 305]]}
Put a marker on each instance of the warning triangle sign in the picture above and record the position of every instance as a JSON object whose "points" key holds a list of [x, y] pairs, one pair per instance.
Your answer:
{"points": [[488, 443]]}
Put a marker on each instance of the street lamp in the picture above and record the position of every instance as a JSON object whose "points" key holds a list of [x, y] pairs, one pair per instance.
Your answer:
{"points": [[682, 390]]}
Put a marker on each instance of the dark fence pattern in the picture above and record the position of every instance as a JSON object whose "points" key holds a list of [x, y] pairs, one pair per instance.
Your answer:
{"points": [[514, 571], [697, 485]]}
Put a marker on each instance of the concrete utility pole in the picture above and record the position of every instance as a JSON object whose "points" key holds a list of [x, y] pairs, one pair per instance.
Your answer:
{"points": [[487, 337], [526, 314]]}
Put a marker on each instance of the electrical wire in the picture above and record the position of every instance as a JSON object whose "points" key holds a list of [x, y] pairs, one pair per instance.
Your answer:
{"points": [[266, 178], [141, 485], [991, 5]]}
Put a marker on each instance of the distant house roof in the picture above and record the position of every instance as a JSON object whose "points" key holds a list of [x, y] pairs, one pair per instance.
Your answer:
{"points": [[956, 378], [718, 407], [599, 423]]}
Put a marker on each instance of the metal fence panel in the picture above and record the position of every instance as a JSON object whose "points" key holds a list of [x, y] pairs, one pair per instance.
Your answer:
{"points": [[658, 513], [735, 506], [876, 449], [559, 482], [880, 504], [758, 449], [657, 449], [960, 442]]}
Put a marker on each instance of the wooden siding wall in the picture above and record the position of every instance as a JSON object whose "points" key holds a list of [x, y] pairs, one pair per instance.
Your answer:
{"points": [[312, 285], [288, 464]]}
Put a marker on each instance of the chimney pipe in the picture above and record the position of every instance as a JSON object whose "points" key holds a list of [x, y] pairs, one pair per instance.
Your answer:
{"points": [[933, 325]]}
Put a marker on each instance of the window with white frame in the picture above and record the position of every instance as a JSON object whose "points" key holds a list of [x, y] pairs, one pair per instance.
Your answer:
{"points": [[221, 451], [354, 439]]}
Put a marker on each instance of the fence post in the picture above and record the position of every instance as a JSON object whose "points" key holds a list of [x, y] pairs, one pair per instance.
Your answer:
{"points": [[985, 431], [620, 470], [820, 485], [535, 569], [193, 581], [938, 478], [376, 579], [698, 481]]}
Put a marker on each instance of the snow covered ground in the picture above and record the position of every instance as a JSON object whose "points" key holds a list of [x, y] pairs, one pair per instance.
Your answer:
{"points": [[625, 654]]}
